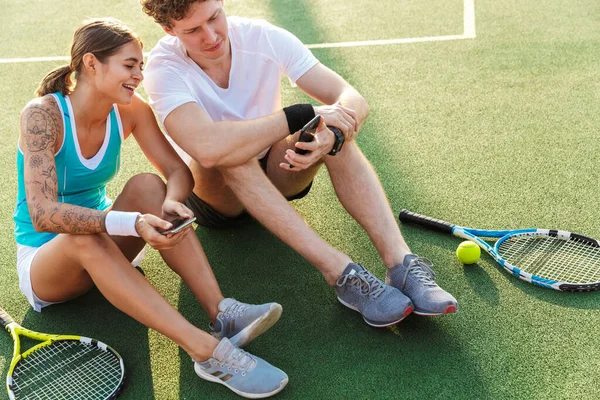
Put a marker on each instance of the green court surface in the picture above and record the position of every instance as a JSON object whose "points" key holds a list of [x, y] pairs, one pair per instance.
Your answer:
{"points": [[497, 131]]}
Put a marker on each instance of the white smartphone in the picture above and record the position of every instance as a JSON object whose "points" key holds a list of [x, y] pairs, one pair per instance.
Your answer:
{"points": [[178, 225]]}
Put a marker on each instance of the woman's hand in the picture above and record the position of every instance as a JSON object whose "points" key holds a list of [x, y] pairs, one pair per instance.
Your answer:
{"points": [[148, 227], [173, 209]]}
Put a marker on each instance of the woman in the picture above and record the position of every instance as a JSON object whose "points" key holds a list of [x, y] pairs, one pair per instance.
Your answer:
{"points": [[71, 238]]}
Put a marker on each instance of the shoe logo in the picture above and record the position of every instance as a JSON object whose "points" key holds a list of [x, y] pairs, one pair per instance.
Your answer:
{"points": [[224, 378], [230, 327]]}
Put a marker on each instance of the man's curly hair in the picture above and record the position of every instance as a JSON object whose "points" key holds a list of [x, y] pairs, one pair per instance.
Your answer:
{"points": [[166, 11]]}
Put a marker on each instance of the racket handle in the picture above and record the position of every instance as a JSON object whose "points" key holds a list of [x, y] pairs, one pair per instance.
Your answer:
{"points": [[428, 222], [5, 319]]}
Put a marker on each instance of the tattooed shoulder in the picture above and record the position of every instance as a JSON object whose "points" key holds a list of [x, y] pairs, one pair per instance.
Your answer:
{"points": [[41, 125]]}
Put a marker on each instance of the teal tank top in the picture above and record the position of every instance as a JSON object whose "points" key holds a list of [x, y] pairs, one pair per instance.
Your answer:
{"points": [[81, 181]]}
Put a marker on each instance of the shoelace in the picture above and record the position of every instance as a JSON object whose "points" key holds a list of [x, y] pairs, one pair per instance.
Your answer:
{"points": [[236, 308], [369, 285], [238, 359], [420, 268]]}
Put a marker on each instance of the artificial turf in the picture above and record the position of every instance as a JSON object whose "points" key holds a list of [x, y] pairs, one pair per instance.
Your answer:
{"points": [[499, 131]]}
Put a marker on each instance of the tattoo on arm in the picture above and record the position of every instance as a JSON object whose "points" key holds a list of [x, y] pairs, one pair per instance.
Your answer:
{"points": [[50, 190], [42, 169], [40, 129], [35, 161], [67, 218]]}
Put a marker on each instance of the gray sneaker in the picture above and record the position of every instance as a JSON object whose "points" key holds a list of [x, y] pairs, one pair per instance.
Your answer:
{"points": [[241, 323], [245, 374], [416, 279], [379, 304]]}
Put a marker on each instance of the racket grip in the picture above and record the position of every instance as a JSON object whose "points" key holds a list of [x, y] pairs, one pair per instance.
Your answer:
{"points": [[5, 319], [428, 222]]}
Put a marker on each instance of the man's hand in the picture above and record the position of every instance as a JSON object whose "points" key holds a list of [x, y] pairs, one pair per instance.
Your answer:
{"points": [[341, 117], [317, 149], [147, 225]]}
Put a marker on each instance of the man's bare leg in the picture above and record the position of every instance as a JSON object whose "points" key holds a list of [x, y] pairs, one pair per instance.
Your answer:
{"points": [[359, 190], [356, 288], [289, 183], [380, 305], [266, 203], [232, 190]]}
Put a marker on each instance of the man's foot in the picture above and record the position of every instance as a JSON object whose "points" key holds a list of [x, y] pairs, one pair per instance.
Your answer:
{"points": [[416, 279], [379, 304], [245, 374], [241, 323]]}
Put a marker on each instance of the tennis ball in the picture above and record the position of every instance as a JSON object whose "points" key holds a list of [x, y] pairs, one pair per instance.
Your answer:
{"points": [[468, 252]]}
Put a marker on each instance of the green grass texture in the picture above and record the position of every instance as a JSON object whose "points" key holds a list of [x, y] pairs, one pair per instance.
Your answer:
{"points": [[499, 132]]}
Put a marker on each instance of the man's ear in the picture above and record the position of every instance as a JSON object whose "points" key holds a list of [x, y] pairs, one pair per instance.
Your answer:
{"points": [[168, 30], [90, 63]]}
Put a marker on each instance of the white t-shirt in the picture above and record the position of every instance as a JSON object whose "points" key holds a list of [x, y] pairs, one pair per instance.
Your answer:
{"points": [[261, 53]]}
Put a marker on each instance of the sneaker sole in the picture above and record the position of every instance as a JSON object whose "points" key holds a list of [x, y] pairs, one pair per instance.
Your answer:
{"points": [[211, 378], [449, 310], [407, 312], [258, 327]]}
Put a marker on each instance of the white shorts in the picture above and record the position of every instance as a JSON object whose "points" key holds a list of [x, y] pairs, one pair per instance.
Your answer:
{"points": [[25, 256]]}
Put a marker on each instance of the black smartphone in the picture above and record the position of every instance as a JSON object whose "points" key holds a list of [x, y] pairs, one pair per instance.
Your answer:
{"points": [[178, 225], [307, 133]]}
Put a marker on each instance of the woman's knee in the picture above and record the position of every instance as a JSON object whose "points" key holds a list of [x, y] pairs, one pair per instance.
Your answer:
{"points": [[145, 184], [143, 193], [88, 245]]}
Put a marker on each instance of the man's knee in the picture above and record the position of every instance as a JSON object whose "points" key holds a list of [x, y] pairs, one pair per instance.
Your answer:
{"points": [[242, 172]]}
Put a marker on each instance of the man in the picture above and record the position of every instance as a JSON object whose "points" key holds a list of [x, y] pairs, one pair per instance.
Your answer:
{"points": [[215, 85]]}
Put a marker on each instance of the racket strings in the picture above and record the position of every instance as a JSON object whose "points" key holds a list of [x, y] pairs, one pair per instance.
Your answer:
{"points": [[563, 260], [95, 386], [67, 369]]}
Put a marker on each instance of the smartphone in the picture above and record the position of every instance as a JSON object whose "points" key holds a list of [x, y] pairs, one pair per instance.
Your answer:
{"points": [[178, 225], [307, 133]]}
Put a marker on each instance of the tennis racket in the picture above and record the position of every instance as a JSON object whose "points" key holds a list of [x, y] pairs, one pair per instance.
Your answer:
{"points": [[61, 367], [548, 258]]}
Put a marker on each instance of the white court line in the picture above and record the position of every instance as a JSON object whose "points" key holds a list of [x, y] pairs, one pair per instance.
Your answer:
{"points": [[387, 41], [469, 17], [469, 33]]}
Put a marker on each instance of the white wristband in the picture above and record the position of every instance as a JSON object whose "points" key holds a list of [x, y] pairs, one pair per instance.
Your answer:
{"points": [[121, 223]]}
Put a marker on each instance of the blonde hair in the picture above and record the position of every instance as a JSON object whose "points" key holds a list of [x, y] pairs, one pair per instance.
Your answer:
{"points": [[102, 37]]}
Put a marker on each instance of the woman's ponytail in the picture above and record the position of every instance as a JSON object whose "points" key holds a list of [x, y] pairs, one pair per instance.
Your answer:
{"points": [[57, 80]]}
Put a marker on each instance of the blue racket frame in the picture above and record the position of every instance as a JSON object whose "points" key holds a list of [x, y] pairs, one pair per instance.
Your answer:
{"points": [[476, 236]]}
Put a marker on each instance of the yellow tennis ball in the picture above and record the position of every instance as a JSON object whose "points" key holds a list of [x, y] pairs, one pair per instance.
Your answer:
{"points": [[468, 252]]}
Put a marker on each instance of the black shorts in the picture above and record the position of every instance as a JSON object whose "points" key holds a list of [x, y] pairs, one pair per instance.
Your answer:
{"points": [[211, 218]]}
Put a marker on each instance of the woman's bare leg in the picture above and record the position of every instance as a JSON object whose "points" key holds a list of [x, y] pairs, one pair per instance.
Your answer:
{"points": [[145, 193]]}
